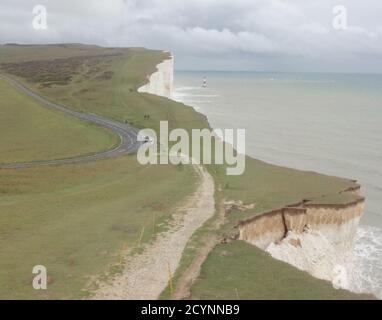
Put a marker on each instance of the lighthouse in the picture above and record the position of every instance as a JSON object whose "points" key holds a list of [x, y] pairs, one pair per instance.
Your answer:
{"points": [[204, 84]]}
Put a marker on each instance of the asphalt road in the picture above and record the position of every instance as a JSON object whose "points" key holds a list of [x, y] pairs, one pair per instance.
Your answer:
{"points": [[127, 133]]}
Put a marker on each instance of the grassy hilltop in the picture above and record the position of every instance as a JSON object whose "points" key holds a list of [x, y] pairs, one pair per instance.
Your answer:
{"points": [[79, 220]]}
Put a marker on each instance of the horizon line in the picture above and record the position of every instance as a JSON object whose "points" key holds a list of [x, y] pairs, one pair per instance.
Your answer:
{"points": [[278, 71]]}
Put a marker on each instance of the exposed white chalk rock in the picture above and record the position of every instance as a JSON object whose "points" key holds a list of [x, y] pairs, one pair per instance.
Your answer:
{"points": [[161, 82]]}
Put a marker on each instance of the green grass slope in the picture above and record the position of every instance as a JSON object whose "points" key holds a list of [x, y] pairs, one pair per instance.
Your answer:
{"points": [[80, 220], [31, 132]]}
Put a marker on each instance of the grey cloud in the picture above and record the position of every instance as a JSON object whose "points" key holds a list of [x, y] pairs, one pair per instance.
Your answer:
{"points": [[256, 34]]}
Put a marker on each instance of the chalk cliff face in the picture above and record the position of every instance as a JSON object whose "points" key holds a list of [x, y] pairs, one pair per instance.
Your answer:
{"points": [[161, 82], [315, 237], [338, 222]]}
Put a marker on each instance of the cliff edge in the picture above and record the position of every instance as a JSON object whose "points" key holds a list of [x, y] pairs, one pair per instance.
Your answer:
{"points": [[161, 82], [316, 236]]}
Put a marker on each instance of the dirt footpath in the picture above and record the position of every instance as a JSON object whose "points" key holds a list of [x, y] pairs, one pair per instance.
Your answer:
{"points": [[146, 275]]}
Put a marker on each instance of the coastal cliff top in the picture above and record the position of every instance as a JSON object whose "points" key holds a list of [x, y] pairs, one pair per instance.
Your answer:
{"points": [[342, 199]]}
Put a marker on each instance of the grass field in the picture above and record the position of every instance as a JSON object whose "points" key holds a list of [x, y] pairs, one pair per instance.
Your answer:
{"points": [[78, 220], [86, 200], [31, 132]]}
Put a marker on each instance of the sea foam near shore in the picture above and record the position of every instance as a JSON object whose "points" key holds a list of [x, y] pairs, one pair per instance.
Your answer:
{"points": [[368, 249]]}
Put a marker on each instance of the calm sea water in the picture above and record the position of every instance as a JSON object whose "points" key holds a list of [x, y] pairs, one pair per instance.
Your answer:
{"points": [[329, 123]]}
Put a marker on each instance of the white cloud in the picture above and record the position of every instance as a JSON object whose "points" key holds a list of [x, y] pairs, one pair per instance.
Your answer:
{"points": [[266, 34]]}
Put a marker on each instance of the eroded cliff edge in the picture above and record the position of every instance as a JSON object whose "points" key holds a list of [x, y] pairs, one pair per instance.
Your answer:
{"points": [[316, 236], [337, 221]]}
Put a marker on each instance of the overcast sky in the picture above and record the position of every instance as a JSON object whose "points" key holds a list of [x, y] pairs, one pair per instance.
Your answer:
{"points": [[282, 35]]}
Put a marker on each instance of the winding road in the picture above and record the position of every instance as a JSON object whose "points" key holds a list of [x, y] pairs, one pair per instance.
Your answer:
{"points": [[127, 134]]}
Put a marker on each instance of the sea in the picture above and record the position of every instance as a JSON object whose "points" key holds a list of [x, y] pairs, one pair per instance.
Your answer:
{"points": [[328, 123]]}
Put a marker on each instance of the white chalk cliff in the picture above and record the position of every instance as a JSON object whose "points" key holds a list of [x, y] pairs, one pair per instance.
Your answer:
{"points": [[315, 237], [161, 82]]}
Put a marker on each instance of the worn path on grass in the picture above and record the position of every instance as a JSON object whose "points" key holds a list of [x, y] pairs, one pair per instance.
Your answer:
{"points": [[146, 275]]}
